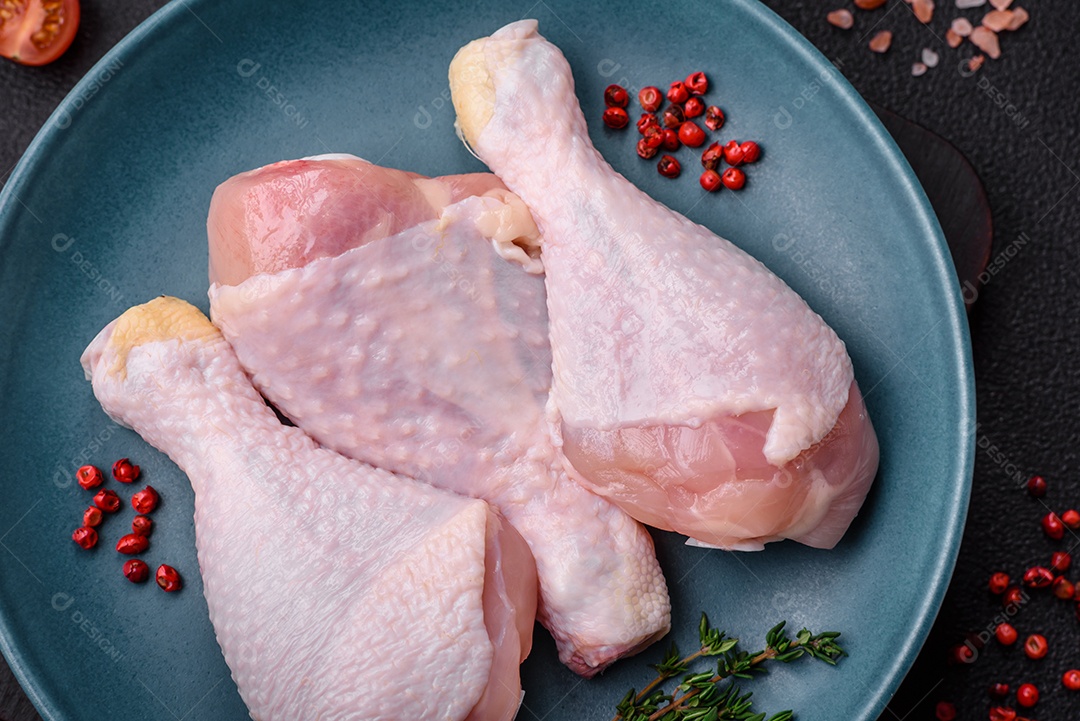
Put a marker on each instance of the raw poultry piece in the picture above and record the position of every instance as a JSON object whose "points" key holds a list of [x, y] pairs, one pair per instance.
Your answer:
{"points": [[691, 385], [369, 307], [337, 591]]}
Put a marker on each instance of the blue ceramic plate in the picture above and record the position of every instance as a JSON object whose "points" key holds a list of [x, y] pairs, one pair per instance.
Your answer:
{"points": [[107, 210]]}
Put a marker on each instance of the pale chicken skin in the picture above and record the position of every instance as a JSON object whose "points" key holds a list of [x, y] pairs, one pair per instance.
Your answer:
{"points": [[337, 591], [691, 385], [369, 306]]}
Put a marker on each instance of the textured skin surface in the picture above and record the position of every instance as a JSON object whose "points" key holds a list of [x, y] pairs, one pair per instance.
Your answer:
{"points": [[440, 347], [337, 591], [669, 342]]}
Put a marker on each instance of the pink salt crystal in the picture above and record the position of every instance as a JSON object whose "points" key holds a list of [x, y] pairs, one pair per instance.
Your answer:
{"points": [[1001, 4], [930, 58], [997, 20], [962, 27], [841, 19], [952, 38], [976, 62], [881, 41], [1019, 17], [924, 10], [918, 69], [986, 40], [966, 4]]}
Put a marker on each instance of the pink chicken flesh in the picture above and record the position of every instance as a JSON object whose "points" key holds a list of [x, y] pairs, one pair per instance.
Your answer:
{"points": [[369, 306], [691, 385], [336, 590]]}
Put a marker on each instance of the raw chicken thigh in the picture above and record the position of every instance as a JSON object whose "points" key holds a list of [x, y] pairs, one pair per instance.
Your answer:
{"points": [[337, 591], [691, 385], [370, 308]]}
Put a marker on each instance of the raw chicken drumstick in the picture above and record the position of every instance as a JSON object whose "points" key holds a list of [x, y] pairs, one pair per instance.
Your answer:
{"points": [[369, 306], [336, 590], [691, 385]]}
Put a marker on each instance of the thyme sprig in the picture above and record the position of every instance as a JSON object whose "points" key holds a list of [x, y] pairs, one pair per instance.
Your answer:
{"points": [[701, 696]]}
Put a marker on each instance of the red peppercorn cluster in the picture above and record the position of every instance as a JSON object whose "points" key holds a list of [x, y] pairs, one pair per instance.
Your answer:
{"points": [[675, 127], [106, 501], [1035, 645]]}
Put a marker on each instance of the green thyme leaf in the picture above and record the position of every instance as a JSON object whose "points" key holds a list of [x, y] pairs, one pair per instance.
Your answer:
{"points": [[711, 695]]}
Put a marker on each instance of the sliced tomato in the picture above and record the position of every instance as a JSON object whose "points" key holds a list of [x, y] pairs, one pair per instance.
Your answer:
{"points": [[36, 32]]}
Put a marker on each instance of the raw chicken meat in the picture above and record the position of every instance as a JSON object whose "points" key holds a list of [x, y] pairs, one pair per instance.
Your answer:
{"points": [[369, 307], [337, 591], [320, 207], [691, 385]]}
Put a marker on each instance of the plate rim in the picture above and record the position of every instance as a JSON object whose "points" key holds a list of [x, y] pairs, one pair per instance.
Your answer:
{"points": [[934, 241], [21, 175], [957, 320]]}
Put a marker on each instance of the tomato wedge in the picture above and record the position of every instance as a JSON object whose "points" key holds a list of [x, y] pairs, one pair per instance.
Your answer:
{"points": [[36, 32]]}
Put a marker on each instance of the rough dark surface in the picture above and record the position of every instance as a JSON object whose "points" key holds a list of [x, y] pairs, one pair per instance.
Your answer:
{"points": [[1016, 121]]}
